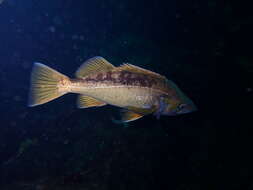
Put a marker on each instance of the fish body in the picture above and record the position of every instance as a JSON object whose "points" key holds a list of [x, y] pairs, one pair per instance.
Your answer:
{"points": [[137, 90], [120, 88]]}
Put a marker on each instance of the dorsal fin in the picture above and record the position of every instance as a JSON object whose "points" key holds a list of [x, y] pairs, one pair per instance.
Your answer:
{"points": [[92, 66], [136, 69]]}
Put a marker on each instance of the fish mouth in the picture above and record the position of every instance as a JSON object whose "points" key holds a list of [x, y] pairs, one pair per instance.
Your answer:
{"points": [[188, 109]]}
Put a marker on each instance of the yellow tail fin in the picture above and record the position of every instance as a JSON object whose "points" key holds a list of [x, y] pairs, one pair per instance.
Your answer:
{"points": [[46, 85]]}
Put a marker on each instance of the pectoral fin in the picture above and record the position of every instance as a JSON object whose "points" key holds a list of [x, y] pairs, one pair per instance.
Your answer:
{"points": [[142, 111], [128, 116], [87, 101]]}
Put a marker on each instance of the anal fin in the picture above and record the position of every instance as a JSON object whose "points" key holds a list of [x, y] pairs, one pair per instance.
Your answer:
{"points": [[128, 116], [87, 101]]}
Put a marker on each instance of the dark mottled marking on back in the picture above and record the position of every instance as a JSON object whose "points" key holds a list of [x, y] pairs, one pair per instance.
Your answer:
{"points": [[123, 78], [136, 79], [90, 79], [108, 76], [99, 77]]}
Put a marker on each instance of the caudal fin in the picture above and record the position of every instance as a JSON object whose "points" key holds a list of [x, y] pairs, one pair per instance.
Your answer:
{"points": [[46, 85]]}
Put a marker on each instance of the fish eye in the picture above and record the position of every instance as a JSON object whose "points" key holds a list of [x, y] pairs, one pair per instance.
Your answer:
{"points": [[181, 106]]}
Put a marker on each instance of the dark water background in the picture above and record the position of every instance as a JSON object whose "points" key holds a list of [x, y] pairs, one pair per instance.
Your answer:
{"points": [[203, 46]]}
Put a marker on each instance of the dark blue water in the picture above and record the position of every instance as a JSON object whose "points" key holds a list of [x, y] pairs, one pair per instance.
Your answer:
{"points": [[203, 46]]}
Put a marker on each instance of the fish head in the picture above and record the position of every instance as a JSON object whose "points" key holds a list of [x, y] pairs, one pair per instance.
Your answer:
{"points": [[184, 108], [174, 106], [175, 103]]}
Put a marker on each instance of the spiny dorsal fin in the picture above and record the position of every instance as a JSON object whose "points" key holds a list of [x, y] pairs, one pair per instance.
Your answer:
{"points": [[87, 101], [127, 116], [92, 66], [136, 69]]}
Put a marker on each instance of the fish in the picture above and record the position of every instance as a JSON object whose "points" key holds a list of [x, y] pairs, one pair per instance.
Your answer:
{"points": [[137, 91]]}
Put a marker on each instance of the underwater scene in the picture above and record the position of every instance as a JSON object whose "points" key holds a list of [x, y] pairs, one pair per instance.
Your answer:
{"points": [[126, 94]]}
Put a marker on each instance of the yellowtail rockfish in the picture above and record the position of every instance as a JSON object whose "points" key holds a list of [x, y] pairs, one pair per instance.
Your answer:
{"points": [[138, 91]]}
